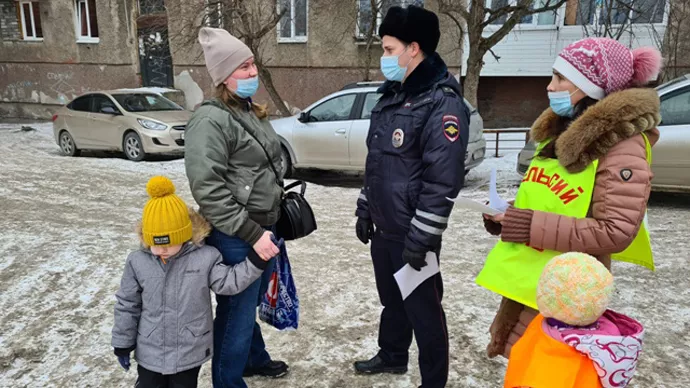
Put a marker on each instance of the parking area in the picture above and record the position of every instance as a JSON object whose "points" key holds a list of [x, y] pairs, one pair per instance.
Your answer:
{"points": [[68, 223]]}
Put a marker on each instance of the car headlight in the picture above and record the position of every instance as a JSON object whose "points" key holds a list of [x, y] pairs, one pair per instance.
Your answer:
{"points": [[149, 124]]}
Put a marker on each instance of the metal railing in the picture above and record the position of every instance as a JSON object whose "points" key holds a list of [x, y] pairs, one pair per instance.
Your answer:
{"points": [[498, 133]]}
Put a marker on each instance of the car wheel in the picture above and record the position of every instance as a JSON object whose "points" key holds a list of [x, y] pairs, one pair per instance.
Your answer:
{"points": [[67, 145], [133, 148], [285, 162]]}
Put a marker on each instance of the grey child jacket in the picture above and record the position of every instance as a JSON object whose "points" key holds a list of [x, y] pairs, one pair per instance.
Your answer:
{"points": [[164, 310]]}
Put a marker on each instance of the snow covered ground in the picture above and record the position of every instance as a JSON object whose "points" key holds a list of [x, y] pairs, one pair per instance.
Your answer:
{"points": [[68, 223]]}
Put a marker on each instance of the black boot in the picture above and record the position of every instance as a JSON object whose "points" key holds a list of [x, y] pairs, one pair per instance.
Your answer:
{"points": [[274, 369], [376, 365]]}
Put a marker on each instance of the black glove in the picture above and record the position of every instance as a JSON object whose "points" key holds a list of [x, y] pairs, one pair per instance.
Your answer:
{"points": [[364, 229], [416, 260], [123, 357]]}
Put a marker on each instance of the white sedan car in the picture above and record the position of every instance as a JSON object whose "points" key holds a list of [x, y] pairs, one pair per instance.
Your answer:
{"points": [[331, 133]]}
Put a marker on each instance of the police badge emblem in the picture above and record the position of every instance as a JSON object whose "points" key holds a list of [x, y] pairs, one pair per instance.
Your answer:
{"points": [[450, 128], [398, 138]]}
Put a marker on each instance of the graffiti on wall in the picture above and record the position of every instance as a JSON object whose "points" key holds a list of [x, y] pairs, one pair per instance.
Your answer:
{"points": [[60, 84], [58, 90]]}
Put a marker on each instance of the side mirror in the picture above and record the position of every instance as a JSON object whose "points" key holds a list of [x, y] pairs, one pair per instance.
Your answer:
{"points": [[109, 110], [303, 117]]}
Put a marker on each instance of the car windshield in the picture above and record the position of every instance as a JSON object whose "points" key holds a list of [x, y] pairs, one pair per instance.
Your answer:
{"points": [[140, 102]]}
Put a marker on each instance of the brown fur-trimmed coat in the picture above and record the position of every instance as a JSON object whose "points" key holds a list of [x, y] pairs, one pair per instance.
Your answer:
{"points": [[609, 131]]}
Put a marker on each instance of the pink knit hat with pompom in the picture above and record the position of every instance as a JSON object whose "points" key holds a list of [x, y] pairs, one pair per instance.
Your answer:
{"points": [[600, 66]]}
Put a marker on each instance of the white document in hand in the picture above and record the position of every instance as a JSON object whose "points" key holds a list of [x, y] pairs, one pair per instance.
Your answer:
{"points": [[409, 279], [474, 205], [495, 200]]}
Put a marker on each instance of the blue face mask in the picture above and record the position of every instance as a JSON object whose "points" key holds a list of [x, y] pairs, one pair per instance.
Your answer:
{"points": [[391, 69], [247, 87], [561, 104]]}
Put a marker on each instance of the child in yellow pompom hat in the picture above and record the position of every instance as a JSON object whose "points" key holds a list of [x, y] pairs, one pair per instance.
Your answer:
{"points": [[163, 307], [575, 341]]}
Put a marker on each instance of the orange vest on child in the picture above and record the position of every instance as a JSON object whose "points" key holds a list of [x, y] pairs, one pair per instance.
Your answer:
{"points": [[539, 361]]}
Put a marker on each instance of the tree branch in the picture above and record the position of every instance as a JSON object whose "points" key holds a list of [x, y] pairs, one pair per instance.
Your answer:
{"points": [[270, 25], [448, 7], [496, 57], [522, 9], [515, 18]]}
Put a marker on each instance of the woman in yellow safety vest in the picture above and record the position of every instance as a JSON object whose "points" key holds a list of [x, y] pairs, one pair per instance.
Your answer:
{"points": [[587, 187]]}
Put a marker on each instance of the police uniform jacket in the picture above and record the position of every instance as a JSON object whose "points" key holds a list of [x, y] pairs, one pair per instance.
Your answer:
{"points": [[416, 151]]}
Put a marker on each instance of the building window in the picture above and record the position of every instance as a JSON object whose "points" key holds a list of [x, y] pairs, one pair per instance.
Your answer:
{"points": [[214, 14], [30, 20], [366, 15], [293, 26], [86, 21], [620, 12], [548, 18]]}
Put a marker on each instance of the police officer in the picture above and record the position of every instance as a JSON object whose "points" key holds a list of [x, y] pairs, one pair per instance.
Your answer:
{"points": [[417, 142]]}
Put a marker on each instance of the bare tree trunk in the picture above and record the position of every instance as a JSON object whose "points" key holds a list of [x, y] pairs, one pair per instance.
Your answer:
{"points": [[267, 80], [368, 59], [371, 34], [475, 61], [366, 76]]}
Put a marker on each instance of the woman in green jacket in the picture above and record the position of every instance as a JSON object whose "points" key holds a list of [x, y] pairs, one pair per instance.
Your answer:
{"points": [[228, 144]]}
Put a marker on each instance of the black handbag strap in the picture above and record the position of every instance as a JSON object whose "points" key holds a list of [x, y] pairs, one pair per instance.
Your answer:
{"points": [[279, 182]]}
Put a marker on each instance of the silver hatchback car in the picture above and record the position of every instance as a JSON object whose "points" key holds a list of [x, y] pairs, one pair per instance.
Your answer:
{"points": [[331, 133]]}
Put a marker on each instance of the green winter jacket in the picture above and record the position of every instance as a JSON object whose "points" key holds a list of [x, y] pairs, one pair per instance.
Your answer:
{"points": [[229, 173]]}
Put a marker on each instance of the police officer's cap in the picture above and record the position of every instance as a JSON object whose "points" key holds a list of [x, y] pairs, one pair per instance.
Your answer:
{"points": [[412, 24]]}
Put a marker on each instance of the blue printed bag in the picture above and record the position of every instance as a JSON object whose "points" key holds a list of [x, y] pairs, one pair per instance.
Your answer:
{"points": [[280, 306]]}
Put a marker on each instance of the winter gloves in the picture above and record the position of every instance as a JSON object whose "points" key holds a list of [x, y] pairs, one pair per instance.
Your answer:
{"points": [[124, 362], [364, 229], [123, 357], [416, 260], [365, 232]]}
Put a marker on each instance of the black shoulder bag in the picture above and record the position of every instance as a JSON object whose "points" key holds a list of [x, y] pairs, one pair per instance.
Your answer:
{"points": [[296, 216]]}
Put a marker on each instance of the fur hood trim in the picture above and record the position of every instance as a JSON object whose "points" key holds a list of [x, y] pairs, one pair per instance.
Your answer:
{"points": [[200, 229], [617, 117]]}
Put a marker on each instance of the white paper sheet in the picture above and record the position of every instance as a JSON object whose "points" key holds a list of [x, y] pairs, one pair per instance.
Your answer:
{"points": [[495, 200], [469, 204], [409, 279]]}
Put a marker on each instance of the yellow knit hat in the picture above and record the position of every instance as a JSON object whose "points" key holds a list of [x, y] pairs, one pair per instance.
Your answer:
{"points": [[165, 221]]}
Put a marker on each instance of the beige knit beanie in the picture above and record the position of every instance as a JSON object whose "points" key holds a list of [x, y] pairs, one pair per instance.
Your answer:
{"points": [[223, 53]]}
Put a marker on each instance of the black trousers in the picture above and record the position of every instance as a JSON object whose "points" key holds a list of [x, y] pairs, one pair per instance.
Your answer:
{"points": [[420, 313], [149, 379]]}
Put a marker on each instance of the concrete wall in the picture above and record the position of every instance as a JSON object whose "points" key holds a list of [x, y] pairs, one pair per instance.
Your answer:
{"points": [[37, 77], [302, 72]]}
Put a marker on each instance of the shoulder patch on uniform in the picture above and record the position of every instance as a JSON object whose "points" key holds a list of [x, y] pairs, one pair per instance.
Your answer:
{"points": [[451, 128], [423, 101], [626, 174], [448, 90]]}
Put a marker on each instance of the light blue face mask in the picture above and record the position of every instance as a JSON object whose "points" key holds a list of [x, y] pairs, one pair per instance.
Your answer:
{"points": [[247, 87], [391, 69], [561, 104]]}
